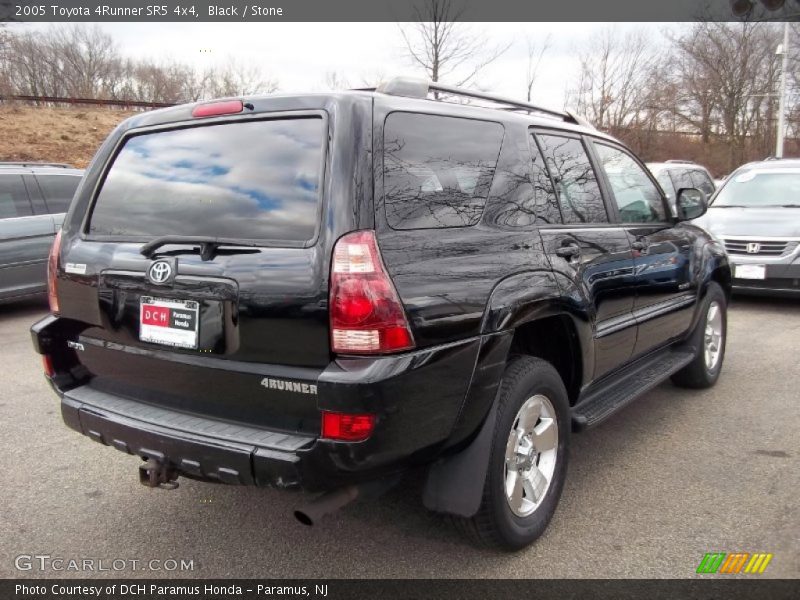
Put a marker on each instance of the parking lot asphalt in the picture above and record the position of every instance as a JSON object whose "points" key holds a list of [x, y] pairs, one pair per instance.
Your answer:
{"points": [[675, 475]]}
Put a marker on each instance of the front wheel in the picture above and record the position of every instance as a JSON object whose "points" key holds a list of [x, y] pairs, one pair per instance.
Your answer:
{"points": [[528, 461], [709, 340]]}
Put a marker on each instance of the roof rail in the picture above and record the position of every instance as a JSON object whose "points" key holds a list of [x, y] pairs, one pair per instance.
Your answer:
{"points": [[412, 87], [35, 164], [680, 161]]}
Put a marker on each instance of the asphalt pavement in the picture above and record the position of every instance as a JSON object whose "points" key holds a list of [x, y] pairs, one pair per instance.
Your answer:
{"points": [[675, 475]]}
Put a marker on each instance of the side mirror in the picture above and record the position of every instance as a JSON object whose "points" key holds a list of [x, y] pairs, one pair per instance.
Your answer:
{"points": [[690, 203]]}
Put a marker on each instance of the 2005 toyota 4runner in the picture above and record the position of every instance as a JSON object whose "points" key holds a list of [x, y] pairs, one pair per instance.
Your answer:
{"points": [[323, 291]]}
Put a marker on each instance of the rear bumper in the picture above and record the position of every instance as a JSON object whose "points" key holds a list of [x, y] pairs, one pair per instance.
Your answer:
{"points": [[420, 400], [195, 446]]}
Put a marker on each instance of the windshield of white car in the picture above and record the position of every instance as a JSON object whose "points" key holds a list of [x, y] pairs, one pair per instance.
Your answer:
{"points": [[757, 189]]}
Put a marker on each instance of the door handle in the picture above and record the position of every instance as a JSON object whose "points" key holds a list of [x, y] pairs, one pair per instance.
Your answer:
{"points": [[568, 251]]}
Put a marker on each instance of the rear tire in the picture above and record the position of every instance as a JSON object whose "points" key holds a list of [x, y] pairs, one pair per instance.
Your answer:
{"points": [[528, 460], [709, 339]]}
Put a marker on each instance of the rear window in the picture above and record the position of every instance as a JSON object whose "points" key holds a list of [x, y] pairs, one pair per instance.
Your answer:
{"points": [[256, 180], [437, 170]]}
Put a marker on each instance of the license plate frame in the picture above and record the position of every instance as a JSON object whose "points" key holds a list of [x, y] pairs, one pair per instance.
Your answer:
{"points": [[169, 322], [750, 272]]}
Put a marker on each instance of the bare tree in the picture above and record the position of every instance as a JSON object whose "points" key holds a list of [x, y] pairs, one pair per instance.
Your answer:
{"points": [[371, 79], [236, 78], [536, 52], [611, 87], [335, 81], [165, 82], [444, 48], [85, 62], [89, 61], [5, 74], [727, 75], [793, 81]]}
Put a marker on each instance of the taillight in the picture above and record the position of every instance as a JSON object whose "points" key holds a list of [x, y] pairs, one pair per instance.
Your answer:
{"points": [[52, 269], [213, 109], [347, 428], [47, 363], [366, 314]]}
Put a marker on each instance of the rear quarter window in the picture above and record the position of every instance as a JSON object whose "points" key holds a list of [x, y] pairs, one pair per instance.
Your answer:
{"points": [[254, 180], [58, 191], [437, 171], [702, 182]]}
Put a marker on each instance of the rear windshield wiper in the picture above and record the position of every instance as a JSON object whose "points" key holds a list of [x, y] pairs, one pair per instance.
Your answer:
{"points": [[728, 206], [208, 245]]}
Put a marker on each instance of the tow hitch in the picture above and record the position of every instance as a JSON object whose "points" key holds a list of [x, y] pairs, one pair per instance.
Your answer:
{"points": [[158, 474]]}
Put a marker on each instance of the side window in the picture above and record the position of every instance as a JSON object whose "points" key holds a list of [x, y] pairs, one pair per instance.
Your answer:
{"points": [[544, 199], [702, 182], [14, 200], [522, 193], [437, 171], [637, 197], [57, 191], [577, 189]]}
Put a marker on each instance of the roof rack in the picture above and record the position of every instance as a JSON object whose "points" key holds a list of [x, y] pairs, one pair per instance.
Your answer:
{"points": [[36, 164], [412, 87]]}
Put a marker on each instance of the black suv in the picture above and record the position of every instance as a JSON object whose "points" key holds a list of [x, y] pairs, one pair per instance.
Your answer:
{"points": [[324, 291]]}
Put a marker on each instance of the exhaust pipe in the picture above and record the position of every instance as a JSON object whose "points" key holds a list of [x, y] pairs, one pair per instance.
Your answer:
{"points": [[311, 512]]}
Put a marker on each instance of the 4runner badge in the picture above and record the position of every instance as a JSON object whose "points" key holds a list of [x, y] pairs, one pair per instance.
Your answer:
{"points": [[289, 386]]}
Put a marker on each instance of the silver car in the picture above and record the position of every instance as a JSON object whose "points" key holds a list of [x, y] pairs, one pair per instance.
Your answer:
{"points": [[676, 174], [756, 214], [33, 200]]}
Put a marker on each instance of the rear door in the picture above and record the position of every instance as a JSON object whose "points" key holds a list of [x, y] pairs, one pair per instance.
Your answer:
{"points": [[25, 240], [665, 290], [589, 249], [234, 331]]}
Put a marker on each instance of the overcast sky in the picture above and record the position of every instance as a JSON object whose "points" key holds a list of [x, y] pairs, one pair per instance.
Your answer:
{"points": [[299, 55]]}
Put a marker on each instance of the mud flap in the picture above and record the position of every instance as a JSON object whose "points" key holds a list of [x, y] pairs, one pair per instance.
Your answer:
{"points": [[455, 483]]}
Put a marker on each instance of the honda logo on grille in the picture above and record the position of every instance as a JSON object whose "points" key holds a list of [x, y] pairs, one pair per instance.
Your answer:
{"points": [[160, 271], [753, 248]]}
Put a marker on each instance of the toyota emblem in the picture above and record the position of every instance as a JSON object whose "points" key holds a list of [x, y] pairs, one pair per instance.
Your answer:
{"points": [[160, 271]]}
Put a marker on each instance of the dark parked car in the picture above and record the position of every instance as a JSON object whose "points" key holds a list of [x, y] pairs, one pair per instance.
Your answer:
{"points": [[33, 200], [756, 214], [321, 292], [673, 175]]}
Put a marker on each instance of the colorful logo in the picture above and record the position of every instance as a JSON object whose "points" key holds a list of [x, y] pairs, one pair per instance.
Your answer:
{"points": [[734, 563]]}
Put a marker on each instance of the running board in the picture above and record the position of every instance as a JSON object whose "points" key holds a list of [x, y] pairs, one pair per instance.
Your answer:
{"points": [[616, 392]]}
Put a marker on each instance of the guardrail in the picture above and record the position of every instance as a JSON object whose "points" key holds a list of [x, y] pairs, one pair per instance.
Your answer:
{"points": [[92, 101]]}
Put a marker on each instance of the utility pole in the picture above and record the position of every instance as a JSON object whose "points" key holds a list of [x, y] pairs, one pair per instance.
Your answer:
{"points": [[783, 50]]}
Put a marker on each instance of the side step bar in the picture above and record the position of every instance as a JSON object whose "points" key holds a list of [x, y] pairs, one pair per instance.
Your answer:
{"points": [[610, 395]]}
